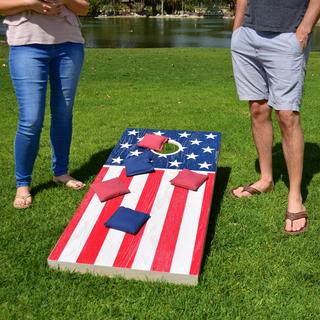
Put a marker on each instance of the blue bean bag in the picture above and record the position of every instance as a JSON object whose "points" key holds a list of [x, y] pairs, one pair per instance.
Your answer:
{"points": [[139, 165], [127, 220]]}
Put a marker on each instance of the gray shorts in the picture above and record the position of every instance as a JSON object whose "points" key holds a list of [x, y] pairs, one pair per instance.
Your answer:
{"points": [[269, 66]]}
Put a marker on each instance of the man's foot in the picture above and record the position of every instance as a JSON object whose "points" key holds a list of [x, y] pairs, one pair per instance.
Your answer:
{"points": [[295, 217], [23, 199], [296, 222], [256, 188], [69, 182]]}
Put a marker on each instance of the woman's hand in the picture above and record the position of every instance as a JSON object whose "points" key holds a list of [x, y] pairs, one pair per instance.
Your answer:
{"points": [[12, 7], [48, 7]]}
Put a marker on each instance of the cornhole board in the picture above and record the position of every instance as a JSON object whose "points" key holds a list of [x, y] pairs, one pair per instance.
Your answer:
{"points": [[170, 245]]}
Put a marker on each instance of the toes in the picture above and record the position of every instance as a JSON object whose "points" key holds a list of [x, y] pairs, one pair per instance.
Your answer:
{"points": [[295, 225], [240, 193], [288, 226], [19, 202], [298, 224], [69, 182], [75, 184], [22, 202]]}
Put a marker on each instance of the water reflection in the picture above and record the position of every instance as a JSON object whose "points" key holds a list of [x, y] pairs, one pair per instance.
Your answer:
{"points": [[149, 33], [160, 33]]}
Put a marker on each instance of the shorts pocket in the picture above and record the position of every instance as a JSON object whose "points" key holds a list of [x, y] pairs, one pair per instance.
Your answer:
{"points": [[235, 32], [297, 42], [234, 37]]}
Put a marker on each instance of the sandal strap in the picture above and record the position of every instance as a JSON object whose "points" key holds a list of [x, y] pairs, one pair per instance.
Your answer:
{"points": [[24, 197], [251, 190], [292, 216]]}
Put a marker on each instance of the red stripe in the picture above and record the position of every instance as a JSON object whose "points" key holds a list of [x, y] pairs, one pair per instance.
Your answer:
{"points": [[99, 232], [203, 225], [167, 242], [56, 252], [130, 243]]}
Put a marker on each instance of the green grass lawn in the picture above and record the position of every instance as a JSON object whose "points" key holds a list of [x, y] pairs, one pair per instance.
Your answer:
{"points": [[251, 269]]}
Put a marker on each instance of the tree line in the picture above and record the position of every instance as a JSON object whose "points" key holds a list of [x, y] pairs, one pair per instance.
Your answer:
{"points": [[154, 7]]}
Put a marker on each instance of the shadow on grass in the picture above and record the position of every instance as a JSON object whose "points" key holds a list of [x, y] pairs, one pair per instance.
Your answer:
{"points": [[311, 166], [93, 166], [87, 170], [220, 186]]}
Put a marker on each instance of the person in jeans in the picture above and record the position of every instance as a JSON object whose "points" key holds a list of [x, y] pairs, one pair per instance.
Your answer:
{"points": [[46, 44], [270, 46]]}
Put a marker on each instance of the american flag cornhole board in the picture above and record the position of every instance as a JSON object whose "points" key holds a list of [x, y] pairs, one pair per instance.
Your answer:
{"points": [[170, 245]]}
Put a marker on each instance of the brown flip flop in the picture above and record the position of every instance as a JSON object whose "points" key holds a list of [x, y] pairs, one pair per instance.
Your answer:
{"points": [[253, 191], [292, 216]]}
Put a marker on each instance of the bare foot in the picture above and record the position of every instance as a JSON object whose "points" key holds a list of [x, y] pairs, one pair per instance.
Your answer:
{"points": [[23, 199], [295, 205], [69, 182], [261, 186]]}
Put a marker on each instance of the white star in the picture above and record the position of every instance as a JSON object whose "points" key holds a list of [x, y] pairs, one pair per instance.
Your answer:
{"points": [[196, 141], [132, 132], [158, 133], [135, 152], [204, 165], [116, 160], [207, 149], [162, 155], [211, 136], [192, 156], [184, 135], [174, 163], [125, 145]]}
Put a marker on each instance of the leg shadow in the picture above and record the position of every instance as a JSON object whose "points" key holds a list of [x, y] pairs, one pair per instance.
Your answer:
{"points": [[93, 166], [87, 170], [220, 186], [311, 166]]}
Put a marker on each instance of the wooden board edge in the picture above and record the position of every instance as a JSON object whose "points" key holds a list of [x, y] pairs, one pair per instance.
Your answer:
{"points": [[144, 275]]}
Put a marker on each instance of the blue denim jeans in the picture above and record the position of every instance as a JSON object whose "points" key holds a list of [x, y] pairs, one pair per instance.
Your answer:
{"points": [[31, 67]]}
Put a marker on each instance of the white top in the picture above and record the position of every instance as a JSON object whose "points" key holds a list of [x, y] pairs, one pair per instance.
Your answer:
{"points": [[29, 27]]}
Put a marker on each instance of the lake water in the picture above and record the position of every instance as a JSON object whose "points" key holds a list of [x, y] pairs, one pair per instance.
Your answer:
{"points": [[157, 32], [160, 33]]}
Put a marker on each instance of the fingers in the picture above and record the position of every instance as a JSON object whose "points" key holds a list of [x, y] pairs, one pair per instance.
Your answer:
{"points": [[302, 36], [51, 9]]}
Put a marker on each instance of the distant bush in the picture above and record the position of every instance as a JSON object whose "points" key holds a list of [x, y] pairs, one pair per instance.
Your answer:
{"points": [[95, 7], [152, 7]]}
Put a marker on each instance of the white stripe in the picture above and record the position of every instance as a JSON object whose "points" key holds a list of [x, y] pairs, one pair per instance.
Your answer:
{"points": [[152, 232], [83, 229], [114, 238], [182, 258]]}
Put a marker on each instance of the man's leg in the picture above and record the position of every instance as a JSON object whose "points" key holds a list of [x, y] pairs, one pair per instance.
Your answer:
{"points": [[293, 148], [261, 125]]}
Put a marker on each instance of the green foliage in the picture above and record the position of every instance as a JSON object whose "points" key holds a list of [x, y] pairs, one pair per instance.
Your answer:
{"points": [[251, 270], [95, 7], [153, 7], [138, 7]]}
